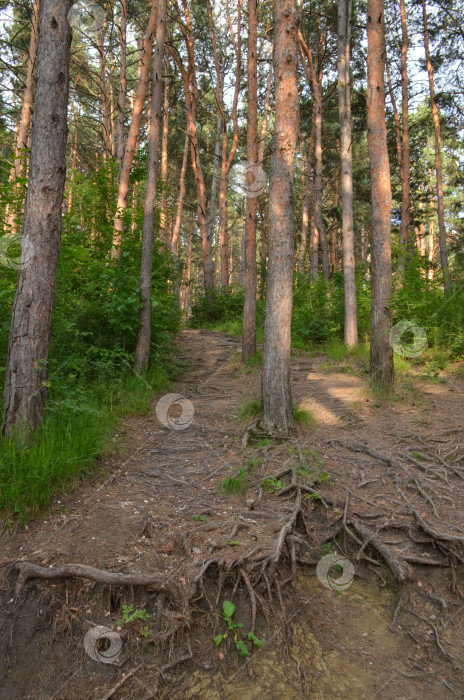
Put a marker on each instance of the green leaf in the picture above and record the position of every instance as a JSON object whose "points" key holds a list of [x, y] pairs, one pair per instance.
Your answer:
{"points": [[256, 640], [218, 639], [228, 609], [242, 648], [233, 543]]}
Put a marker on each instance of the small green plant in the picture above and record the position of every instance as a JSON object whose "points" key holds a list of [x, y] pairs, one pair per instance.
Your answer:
{"points": [[312, 456], [249, 408], [417, 455], [130, 615], [271, 485], [256, 360], [236, 484], [144, 632], [303, 417], [201, 518], [228, 610], [264, 442], [252, 463], [313, 496], [328, 548]]}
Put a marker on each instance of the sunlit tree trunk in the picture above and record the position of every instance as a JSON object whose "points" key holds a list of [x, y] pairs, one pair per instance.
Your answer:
{"points": [[313, 243], [73, 161], [180, 202], [334, 238], [315, 78], [307, 182], [438, 164], [381, 360], [142, 350], [346, 175], [164, 158], [226, 158], [122, 85], [277, 413], [249, 306], [191, 100], [188, 267], [107, 144], [404, 147], [214, 182], [29, 342], [131, 145], [24, 124], [431, 235]]}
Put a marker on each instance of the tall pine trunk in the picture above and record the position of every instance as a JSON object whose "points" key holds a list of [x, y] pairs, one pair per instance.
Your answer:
{"points": [[24, 124], [142, 350], [180, 202], [405, 148], [122, 86], [191, 100], [438, 164], [164, 159], [249, 306], [277, 412], [29, 342], [381, 354], [132, 138], [346, 157]]}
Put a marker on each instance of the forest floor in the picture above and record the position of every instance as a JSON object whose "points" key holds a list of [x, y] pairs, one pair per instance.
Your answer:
{"points": [[381, 482]]}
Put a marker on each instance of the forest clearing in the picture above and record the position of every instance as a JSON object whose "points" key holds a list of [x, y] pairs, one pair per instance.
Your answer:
{"points": [[232, 334]]}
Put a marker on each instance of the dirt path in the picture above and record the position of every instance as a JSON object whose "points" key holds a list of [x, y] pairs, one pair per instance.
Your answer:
{"points": [[395, 469]]}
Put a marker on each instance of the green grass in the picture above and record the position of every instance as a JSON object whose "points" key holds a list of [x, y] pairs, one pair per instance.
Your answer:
{"points": [[303, 417], [75, 433], [256, 360], [236, 484], [248, 409]]}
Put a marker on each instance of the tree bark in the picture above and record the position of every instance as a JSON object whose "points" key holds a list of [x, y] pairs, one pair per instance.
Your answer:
{"points": [[381, 353], [438, 164], [217, 159], [307, 185], [164, 158], [346, 158], [122, 86], [142, 350], [131, 145], [249, 305], [315, 78], [24, 124], [28, 96], [29, 342], [277, 411], [180, 202], [227, 159], [107, 144], [188, 268], [191, 100]]}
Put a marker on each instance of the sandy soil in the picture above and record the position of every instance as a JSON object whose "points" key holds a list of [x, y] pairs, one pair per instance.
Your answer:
{"points": [[394, 467]]}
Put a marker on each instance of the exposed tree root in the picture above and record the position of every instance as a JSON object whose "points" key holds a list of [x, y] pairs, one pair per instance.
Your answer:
{"points": [[154, 581], [261, 572]]}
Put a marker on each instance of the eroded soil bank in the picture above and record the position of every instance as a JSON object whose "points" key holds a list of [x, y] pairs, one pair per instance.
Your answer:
{"points": [[376, 481]]}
